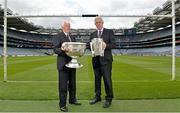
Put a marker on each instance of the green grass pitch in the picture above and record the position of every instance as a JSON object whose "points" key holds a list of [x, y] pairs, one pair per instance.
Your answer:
{"points": [[134, 78]]}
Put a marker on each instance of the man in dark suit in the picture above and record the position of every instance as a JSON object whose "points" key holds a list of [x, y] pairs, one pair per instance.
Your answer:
{"points": [[67, 76], [102, 65]]}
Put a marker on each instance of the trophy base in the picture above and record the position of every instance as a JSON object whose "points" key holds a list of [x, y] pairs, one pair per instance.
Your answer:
{"points": [[74, 65]]}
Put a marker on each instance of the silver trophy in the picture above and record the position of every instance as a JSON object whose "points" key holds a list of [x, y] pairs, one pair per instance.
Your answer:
{"points": [[75, 50], [96, 47]]}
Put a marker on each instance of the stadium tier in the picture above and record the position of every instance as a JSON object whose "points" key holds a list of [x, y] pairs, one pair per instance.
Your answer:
{"points": [[154, 23]]}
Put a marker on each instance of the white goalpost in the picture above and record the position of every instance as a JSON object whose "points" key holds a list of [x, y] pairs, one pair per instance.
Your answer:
{"points": [[6, 16]]}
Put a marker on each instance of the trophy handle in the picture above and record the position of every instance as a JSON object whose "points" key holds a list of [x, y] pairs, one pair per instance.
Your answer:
{"points": [[92, 51], [102, 49]]}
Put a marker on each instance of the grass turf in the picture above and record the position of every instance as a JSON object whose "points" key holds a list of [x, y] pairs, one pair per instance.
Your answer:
{"points": [[32, 85], [162, 105], [134, 77]]}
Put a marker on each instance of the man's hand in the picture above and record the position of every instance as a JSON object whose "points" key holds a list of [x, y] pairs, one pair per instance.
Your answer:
{"points": [[64, 47], [103, 45]]}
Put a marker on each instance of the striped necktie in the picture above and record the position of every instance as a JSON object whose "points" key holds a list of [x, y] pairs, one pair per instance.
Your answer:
{"points": [[99, 33]]}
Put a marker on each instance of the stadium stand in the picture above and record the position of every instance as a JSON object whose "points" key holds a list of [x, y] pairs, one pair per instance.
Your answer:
{"points": [[149, 36], [18, 23], [154, 23]]}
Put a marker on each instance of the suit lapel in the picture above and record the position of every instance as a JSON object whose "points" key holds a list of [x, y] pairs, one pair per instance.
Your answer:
{"points": [[65, 38], [96, 34], [103, 34], [72, 38]]}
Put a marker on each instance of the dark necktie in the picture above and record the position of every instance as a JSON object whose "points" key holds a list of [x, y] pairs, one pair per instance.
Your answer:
{"points": [[69, 38], [99, 33]]}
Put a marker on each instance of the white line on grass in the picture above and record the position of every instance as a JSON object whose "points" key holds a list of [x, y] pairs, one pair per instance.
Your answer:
{"points": [[88, 81]]}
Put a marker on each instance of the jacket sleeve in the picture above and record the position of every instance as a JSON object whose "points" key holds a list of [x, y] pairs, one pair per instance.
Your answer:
{"points": [[57, 45], [112, 43]]}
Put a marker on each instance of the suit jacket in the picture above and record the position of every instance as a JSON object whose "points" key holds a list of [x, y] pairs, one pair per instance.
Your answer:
{"points": [[62, 57], [108, 38]]}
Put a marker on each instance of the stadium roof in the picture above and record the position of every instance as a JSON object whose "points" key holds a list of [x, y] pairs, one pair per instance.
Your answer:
{"points": [[154, 23], [144, 25], [18, 23]]}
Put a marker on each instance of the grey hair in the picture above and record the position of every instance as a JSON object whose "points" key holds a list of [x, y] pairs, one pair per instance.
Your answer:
{"points": [[66, 21], [98, 18]]}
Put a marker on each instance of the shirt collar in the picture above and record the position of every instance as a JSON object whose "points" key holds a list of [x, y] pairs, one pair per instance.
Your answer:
{"points": [[101, 30], [66, 33]]}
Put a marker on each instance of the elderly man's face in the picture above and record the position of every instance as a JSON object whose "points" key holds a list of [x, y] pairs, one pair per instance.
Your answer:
{"points": [[99, 24], [66, 27]]}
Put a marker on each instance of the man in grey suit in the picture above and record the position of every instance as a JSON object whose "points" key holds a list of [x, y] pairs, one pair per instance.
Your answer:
{"points": [[67, 76], [102, 65]]}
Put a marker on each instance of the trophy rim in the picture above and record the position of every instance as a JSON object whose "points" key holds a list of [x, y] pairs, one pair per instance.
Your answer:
{"points": [[76, 43]]}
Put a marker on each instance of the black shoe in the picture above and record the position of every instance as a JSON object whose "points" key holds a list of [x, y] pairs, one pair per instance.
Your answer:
{"points": [[107, 104], [95, 100], [75, 103], [64, 109]]}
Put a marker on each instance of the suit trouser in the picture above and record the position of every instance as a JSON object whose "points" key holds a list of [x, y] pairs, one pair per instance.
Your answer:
{"points": [[67, 82], [105, 72]]}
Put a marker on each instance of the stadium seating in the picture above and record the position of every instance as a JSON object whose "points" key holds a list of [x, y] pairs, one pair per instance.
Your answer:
{"points": [[155, 42], [12, 51]]}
